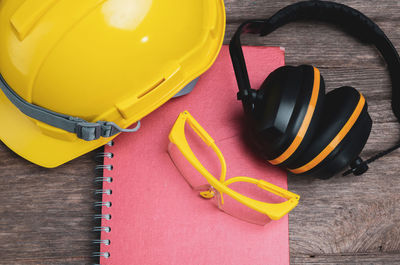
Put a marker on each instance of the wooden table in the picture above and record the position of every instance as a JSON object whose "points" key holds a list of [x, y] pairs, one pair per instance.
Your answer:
{"points": [[46, 215]]}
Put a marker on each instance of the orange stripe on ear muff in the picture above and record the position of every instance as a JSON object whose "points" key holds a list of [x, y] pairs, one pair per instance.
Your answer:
{"points": [[306, 122], [334, 143]]}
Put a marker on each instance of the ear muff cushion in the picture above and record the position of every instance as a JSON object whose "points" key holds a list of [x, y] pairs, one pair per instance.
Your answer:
{"points": [[345, 125], [289, 96]]}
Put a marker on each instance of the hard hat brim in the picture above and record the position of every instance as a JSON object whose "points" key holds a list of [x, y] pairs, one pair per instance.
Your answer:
{"points": [[22, 135]]}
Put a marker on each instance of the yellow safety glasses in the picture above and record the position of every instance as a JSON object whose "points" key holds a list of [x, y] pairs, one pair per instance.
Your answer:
{"points": [[204, 169]]}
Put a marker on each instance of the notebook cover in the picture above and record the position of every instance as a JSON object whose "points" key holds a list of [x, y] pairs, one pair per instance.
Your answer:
{"points": [[156, 217]]}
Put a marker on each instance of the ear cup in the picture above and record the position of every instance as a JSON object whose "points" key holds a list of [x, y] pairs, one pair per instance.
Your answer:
{"points": [[286, 113], [341, 135]]}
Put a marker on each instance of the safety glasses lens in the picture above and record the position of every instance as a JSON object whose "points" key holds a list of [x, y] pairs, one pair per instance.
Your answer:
{"points": [[205, 155], [241, 211]]}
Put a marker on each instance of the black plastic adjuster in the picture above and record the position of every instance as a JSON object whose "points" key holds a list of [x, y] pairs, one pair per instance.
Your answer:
{"points": [[88, 131], [357, 167], [247, 95]]}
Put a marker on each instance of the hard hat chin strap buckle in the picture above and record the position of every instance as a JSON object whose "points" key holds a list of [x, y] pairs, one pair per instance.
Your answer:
{"points": [[88, 131], [92, 131]]}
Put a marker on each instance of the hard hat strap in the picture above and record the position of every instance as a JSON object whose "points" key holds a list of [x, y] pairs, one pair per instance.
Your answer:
{"points": [[85, 130]]}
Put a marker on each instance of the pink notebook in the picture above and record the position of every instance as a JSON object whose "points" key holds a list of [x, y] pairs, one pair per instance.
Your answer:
{"points": [[155, 217]]}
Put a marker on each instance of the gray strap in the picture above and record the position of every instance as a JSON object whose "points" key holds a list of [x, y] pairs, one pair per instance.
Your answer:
{"points": [[85, 130], [187, 89]]}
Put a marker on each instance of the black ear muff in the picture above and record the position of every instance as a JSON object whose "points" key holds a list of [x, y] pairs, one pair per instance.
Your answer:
{"points": [[343, 130], [281, 126], [286, 112]]}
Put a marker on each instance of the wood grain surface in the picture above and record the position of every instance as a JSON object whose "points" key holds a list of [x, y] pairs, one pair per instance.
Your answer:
{"points": [[46, 215]]}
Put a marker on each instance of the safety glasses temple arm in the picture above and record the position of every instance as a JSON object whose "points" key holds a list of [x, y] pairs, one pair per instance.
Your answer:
{"points": [[279, 210], [198, 129], [265, 186], [277, 190], [177, 136]]}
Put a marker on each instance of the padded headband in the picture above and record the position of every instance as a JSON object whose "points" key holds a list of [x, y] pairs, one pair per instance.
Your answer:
{"points": [[351, 20]]}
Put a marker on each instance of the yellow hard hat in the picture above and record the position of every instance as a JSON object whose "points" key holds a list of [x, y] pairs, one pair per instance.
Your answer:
{"points": [[73, 73]]}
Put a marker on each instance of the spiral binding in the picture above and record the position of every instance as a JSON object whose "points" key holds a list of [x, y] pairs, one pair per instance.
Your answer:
{"points": [[100, 204]]}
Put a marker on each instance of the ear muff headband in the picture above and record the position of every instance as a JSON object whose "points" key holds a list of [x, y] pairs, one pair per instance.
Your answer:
{"points": [[351, 20]]}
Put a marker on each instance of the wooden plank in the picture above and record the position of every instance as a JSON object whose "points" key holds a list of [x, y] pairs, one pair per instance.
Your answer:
{"points": [[321, 44], [347, 214], [347, 258], [239, 10], [46, 214]]}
